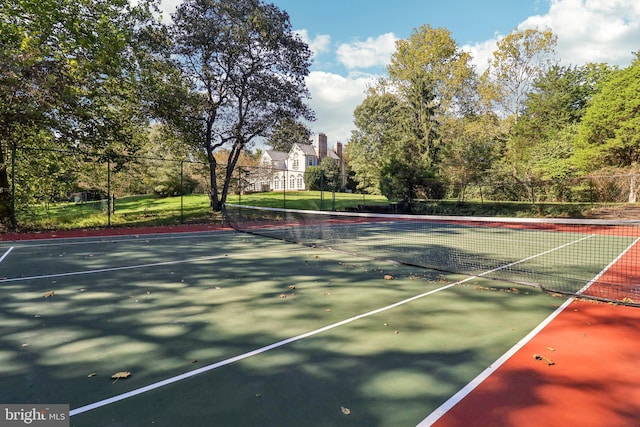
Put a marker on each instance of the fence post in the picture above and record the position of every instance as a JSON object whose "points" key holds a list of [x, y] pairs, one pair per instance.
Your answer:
{"points": [[14, 221], [109, 192], [321, 190], [181, 192]]}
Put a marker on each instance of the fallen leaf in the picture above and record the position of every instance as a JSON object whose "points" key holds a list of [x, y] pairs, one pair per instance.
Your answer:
{"points": [[545, 359], [388, 277], [551, 349], [292, 287], [283, 295], [49, 294], [120, 375], [91, 375], [345, 411]]}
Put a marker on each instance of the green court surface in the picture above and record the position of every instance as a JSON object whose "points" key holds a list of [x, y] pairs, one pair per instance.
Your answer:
{"points": [[229, 329]]}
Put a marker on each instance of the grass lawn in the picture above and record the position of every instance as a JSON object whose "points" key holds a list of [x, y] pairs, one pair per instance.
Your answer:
{"points": [[151, 210]]}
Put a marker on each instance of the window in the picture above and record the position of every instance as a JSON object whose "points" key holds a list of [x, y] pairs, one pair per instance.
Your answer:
{"points": [[309, 160], [300, 182], [276, 183], [292, 182], [296, 164]]}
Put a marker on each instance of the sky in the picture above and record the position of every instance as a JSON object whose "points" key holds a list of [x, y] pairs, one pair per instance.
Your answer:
{"points": [[353, 40]]}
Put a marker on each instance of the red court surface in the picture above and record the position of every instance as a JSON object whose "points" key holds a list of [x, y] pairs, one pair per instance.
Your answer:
{"points": [[594, 381]]}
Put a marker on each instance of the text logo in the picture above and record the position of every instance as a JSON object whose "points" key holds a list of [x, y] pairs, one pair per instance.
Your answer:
{"points": [[34, 415]]}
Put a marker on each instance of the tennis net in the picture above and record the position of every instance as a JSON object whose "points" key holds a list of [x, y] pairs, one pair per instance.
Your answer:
{"points": [[596, 259]]}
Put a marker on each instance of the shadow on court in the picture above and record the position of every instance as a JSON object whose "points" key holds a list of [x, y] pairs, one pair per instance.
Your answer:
{"points": [[188, 303]]}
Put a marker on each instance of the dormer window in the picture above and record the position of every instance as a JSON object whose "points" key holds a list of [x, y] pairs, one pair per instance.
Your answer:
{"points": [[296, 164]]}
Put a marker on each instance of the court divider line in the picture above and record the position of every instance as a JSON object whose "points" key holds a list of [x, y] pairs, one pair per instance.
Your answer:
{"points": [[269, 347], [6, 253], [473, 384]]}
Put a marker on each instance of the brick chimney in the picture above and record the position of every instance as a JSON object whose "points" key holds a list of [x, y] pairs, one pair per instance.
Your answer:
{"points": [[321, 150], [339, 149]]}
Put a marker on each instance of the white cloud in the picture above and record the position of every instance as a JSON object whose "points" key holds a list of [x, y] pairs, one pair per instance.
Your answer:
{"points": [[592, 30], [167, 7], [334, 98], [481, 53], [373, 52], [587, 30], [318, 45]]}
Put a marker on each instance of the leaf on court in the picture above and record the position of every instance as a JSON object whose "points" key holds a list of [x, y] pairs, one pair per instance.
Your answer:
{"points": [[551, 349], [91, 375], [292, 287], [628, 300], [345, 411], [388, 277], [283, 295], [545, 359], [120, 375], [49, 294]]}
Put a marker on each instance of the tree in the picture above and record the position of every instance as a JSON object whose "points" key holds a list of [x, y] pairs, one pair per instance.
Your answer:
{"points": [[287, 133], [398, 144], [552, 110], [610, 131], [521, 58], [474, 146], [374, 137], [245, 68], [70, 69], [431, 58]]}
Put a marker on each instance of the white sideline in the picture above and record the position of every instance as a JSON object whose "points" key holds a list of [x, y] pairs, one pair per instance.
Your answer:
{"points": [[260, 350]]}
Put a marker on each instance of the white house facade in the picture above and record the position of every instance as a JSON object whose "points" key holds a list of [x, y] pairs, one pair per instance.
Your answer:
{"points": [[281, 171]]}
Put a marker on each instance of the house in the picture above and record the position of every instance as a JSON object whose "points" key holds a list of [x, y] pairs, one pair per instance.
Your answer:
{"points": [[281, 171]]}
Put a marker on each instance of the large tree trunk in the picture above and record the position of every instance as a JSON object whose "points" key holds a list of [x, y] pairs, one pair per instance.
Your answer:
{"points": [[214, 200], [7, 216]]}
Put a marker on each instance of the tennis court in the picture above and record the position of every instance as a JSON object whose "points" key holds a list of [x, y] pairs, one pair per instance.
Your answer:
{"points": [[229, 328]]}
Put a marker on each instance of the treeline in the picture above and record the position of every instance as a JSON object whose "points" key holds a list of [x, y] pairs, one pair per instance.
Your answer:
{"points": [[90, 83], [433, 127], [82, 81]]}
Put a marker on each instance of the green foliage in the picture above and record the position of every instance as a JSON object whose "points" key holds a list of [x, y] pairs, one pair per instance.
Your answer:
{"points": [[610, 131], [70, 69], [325, 176], [287, 133], [314, 178], [398, 145]]}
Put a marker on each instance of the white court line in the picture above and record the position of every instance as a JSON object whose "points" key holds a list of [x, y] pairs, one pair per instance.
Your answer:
{"points": [[466, 390], [6, 253], [130, 267], [260, 350]]}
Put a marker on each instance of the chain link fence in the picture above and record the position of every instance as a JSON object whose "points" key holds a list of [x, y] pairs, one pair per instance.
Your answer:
{"points": [[53, 188]]}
